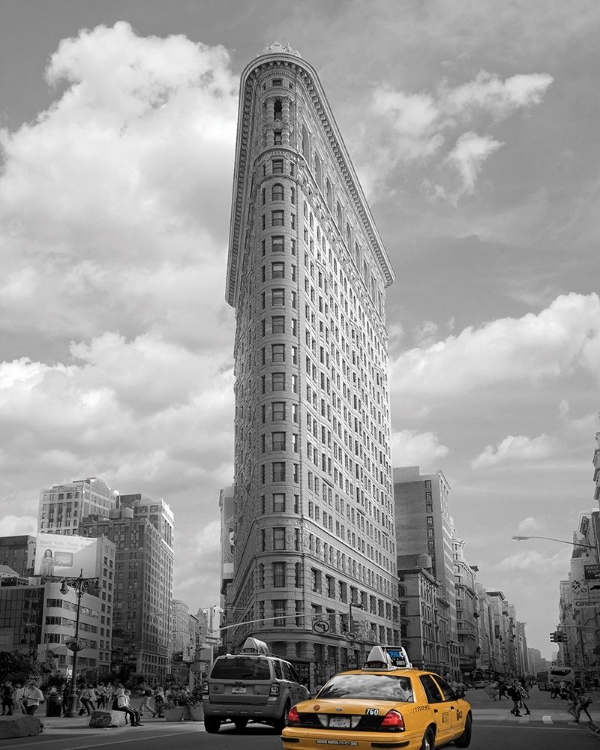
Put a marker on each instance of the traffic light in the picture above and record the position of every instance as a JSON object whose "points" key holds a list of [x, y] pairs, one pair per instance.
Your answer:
{"points": [[561, 637], [554, 637]]}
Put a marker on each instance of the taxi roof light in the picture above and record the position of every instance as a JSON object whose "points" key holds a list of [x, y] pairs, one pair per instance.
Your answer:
{"points": [[254, 646], [379, 659]]}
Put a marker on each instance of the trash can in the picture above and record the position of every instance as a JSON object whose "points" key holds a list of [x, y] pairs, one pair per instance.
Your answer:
{"points": [[54, 705]]}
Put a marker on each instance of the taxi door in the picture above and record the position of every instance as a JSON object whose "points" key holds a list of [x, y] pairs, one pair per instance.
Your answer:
{"points": [[444, 712], [458, 715]]}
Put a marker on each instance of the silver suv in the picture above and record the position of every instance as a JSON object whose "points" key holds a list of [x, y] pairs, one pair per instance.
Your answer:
{"points": [[250, 686]]}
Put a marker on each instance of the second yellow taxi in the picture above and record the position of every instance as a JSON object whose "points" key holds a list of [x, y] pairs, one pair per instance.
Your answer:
{"points": [[380, 706]]}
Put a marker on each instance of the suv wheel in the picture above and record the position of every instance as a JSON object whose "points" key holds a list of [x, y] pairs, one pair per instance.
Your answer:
{"points": [[279, 725], [212, 724], [240, 724]]}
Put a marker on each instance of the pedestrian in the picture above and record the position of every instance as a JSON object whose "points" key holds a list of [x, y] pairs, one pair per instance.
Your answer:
{"points": [[101, 694], [159, 701], [502, 690], [583, 701], [18, 698], [554, 692], [88, 698], [524, 695], [33, 696], [147, 694], [66, 696], [8, 698], [515, 695], [572, 701]]}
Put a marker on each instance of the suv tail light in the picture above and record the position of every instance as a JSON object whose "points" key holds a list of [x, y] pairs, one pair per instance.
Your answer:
{"points": [[205, 688], [293, 719], [393, 721], [274, 689]]}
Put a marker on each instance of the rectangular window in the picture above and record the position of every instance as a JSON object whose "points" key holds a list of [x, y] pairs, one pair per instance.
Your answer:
{"points": [[277, 297], [277, 270], [279, 574], [279, 471], [278, 441], [278, 324], [277, 218], [278, 411], [277, 245], [277, 166], [278, 381], [279, 538], [277, 353], [279, 612], [279, 501]]}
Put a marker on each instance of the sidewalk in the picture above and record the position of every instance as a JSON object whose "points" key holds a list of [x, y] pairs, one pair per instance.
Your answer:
{"points": [[558, 715], [80, 725]]}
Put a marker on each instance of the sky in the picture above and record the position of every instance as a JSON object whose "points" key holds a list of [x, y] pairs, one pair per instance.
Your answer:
{"points": [[473, 129]]}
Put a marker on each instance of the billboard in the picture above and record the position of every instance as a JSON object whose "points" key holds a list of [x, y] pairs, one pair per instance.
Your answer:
{"points": [[68, 556]]}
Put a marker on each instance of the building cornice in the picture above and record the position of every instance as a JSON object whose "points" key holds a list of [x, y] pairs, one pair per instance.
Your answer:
{"points": [[300, 69]]}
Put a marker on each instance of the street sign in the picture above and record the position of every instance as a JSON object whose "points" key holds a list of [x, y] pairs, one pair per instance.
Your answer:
{"points": [[321, 627], [350, 636]]}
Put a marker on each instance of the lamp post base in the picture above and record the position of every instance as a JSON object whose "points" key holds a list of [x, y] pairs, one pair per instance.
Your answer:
{"points": [[72, 706]]}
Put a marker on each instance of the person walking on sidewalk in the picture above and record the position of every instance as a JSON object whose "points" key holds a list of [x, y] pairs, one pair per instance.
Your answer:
{"points": [[32, 697], [8, 698], [583, 701], [147, 693], [524, 695], [514, 694]]}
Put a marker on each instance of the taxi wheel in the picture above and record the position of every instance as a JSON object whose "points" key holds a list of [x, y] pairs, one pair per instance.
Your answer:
{"points": [[428, 741], [465, 738], [240, 724], [281, 723], [212, 724]]}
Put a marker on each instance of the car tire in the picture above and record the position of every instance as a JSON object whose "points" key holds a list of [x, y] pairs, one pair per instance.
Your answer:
{"points": [[428, 740], [281, 723], [240, 724], [465, 738], [212, 724]]}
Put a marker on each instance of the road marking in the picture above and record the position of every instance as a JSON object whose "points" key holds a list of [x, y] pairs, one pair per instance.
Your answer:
{"points": [[547, 719]]}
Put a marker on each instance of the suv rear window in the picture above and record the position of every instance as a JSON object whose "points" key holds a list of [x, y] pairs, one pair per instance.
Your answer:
{"points": [[241, 668]]}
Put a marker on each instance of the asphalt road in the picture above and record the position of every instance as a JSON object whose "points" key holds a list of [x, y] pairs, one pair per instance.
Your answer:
{"points": [[549, 727]]}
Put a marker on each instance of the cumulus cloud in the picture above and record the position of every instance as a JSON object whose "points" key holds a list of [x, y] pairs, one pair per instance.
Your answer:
{"points": [[532, 561], [529, 525], [405, 128], [516, 448], [104, 222], [557, 342], [411, 448]]}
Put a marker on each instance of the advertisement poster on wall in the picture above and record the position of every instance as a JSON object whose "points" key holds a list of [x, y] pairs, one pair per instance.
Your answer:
{"points": [[67, 556]]}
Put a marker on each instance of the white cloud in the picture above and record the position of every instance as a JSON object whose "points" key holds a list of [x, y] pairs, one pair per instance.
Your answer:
{"points": [[404, 128], [557, 342], [411, 448], [533, 561], [516, 448], [97, 187], [18, 525], [529, 525]]}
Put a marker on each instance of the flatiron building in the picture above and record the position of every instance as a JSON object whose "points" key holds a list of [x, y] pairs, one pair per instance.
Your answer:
{"points": [[313, 538]]}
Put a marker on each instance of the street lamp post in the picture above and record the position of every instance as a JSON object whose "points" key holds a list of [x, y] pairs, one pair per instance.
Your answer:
{"points": [[551, 539], [80, 586]]}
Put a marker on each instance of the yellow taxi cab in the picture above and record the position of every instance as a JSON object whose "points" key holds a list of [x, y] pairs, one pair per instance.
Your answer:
{"points": [[382, 705]]}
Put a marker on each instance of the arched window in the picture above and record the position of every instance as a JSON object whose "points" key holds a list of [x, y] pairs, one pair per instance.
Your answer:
{"points": [[305, 144], [329, 194], [318, 171], [277, 192]]}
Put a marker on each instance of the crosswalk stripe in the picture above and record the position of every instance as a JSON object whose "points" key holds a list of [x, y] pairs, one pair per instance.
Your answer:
{"points": [[547, 719]]}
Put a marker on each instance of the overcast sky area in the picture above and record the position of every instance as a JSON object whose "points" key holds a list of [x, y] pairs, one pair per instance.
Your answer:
{"points": [[473, 126]]}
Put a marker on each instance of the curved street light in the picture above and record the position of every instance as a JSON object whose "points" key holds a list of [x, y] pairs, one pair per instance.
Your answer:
{"points": [[551, 539]]}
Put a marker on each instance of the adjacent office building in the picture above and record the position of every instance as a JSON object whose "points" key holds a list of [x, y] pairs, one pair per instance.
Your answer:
{"points": [[62, 506], [315, 546], [142, 530]]}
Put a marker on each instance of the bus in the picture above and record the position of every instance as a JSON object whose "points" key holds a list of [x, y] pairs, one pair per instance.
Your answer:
{"points": [[562, 674], [543, 680]]}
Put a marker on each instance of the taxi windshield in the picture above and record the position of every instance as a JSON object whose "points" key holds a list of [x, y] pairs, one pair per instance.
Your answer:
{"points": [[382, 687]]}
